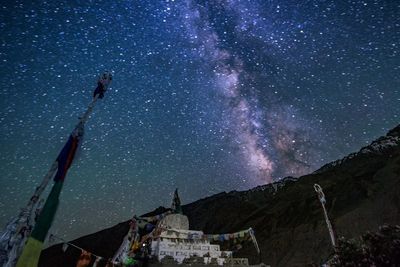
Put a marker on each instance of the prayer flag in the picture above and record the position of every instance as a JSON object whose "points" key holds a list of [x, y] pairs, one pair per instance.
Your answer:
{"points": [[67, 154], [30, 254]]}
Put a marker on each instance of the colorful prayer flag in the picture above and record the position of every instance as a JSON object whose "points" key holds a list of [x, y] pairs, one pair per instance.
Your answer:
{"points": [[67, 154], [30, 254]]}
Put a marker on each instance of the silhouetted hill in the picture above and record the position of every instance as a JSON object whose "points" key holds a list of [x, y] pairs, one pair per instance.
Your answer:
{"points": [[362, 192]]}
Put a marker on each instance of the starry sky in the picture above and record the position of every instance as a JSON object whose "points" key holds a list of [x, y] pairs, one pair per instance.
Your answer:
{"points": [[207, 96]]}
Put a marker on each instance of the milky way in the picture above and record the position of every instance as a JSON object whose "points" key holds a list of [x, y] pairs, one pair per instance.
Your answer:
{"points": [[208, 96], [264, 135]]}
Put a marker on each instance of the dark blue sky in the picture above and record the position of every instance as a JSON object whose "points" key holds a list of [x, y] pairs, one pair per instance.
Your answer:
{"points": [[207, 96]]}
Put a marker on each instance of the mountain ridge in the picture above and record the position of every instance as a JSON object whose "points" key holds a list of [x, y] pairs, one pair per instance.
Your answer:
{"points": [[361, 191]]}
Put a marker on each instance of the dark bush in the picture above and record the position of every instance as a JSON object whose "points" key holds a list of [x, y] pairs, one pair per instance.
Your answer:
{"points": [[372, 249]]}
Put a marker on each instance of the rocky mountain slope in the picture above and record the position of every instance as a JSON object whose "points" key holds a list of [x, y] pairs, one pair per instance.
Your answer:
{"points": [[361, 191]]}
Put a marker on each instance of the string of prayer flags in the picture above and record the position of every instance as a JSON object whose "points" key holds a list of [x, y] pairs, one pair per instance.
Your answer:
{"points": [[224, 237]]}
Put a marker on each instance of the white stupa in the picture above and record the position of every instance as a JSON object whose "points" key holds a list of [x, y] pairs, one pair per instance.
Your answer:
{"points": [[177, 241]]}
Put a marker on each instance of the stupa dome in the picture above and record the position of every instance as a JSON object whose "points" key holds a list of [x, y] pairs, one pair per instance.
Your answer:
{"points": [[175, 221]]}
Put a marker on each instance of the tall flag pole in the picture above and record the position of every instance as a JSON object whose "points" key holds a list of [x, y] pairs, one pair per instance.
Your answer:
{"points": [[321, 197], [33, 246], [253, 238]]}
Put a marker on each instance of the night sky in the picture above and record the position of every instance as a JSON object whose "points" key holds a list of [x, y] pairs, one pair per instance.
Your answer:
{"points": [[207, 96]]}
